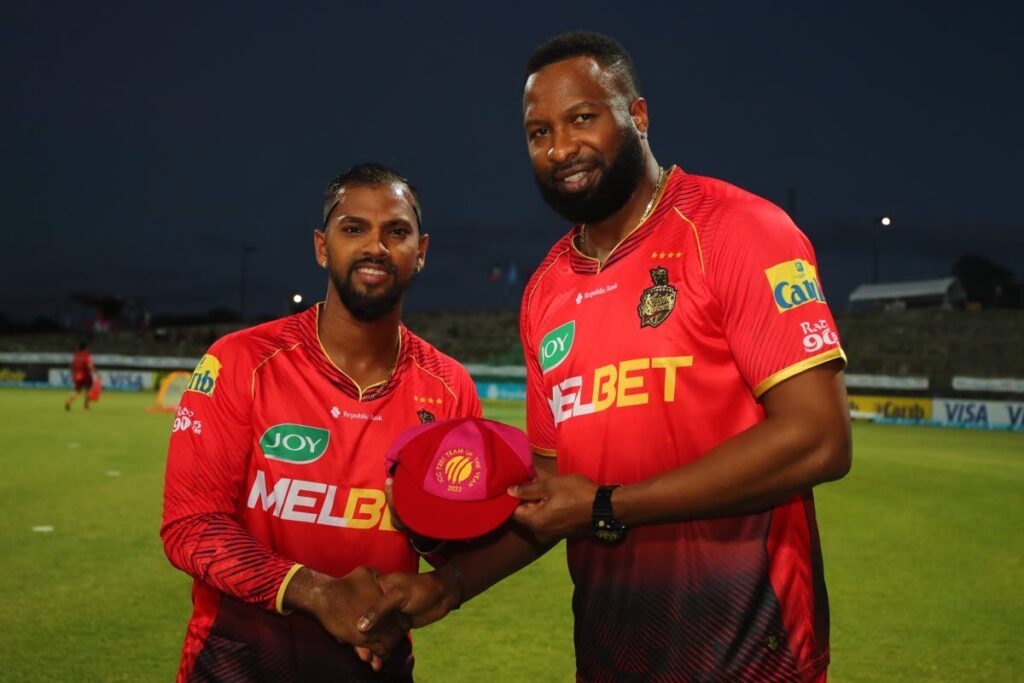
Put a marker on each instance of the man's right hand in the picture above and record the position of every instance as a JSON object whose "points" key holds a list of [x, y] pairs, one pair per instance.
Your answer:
{"points": [[337, 603], [421, 598]]}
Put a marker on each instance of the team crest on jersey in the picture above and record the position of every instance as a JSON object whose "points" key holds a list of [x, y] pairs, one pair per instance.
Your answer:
{"points": [[425, 416], [658, 301]]}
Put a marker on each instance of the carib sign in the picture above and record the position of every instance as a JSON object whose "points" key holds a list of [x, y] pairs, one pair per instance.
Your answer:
{"points": [[793, 284]]}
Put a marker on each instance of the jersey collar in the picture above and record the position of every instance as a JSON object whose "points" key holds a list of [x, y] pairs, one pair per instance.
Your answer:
{"points": [[310, 337], [588, 265]]}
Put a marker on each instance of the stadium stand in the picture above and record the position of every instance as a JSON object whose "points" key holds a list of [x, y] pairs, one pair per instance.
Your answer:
{"points": [[471, 336], [945, 292], [934, 343], [929, 342]]}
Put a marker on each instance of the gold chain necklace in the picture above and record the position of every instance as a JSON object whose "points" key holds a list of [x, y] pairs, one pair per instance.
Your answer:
{"points": [[379, 386], [662, 174]]}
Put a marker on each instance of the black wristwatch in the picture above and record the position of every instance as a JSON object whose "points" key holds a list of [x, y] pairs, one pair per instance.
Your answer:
{"points": [[604, 528]]}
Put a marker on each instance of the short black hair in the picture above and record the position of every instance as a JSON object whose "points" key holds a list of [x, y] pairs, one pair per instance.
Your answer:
{"points": [[369, 175], [83, 345], [605, 50]]}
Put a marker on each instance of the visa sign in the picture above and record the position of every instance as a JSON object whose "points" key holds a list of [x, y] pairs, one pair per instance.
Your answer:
{"points": [[204, 379], [794, 283], [555, 346], [981, 413], [294, 443]]}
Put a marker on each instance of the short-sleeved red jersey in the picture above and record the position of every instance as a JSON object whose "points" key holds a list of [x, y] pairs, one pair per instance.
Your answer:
{"points": [[81, 366], [647, 362], [277, 458]]}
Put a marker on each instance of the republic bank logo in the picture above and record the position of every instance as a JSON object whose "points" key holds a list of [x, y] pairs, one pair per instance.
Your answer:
{"points": [[294, 443]]}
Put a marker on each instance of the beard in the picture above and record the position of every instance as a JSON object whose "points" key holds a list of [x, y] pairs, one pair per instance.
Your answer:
{"points": [[364, 306], [619, 180]]}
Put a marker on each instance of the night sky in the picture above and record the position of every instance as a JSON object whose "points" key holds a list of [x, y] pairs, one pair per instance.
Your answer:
{"points": [[147, 143]]}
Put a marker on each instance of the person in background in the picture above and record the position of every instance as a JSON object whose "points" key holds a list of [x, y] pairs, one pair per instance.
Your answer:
{"points": [[82, 371]]}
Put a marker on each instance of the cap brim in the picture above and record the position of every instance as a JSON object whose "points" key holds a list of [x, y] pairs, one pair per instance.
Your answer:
{"points": [[447, 519]]}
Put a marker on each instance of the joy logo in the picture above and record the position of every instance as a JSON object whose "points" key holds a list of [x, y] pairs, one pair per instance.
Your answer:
{"points": [[555, 346], [294, 443]]}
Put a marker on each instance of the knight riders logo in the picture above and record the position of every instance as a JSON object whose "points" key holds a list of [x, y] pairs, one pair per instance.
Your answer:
{"points": [[658, 301], [425, 416]]}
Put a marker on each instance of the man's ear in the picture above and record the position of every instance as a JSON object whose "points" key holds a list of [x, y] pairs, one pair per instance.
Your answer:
{"points": [[421, 256], [638, 112], [320, 247]]}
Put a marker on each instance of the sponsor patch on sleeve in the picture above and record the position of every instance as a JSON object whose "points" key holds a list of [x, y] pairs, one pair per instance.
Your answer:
{"points": [[185, 421], [555, 346], [818, 334], [794, 283], [204, 379]]}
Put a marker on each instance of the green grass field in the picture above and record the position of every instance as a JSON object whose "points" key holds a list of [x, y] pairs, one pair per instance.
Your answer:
{"points": [[923, 542]]}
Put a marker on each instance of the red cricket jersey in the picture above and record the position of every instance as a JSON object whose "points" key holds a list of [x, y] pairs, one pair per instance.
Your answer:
{"points": [[645, 364], [275, 459], [81, 367]]}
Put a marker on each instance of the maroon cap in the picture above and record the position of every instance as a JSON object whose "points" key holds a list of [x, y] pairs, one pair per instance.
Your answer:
{"points": [[450, 478]]}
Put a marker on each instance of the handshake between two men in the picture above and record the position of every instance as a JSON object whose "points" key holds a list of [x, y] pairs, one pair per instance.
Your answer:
{"points": [[461, 528]]}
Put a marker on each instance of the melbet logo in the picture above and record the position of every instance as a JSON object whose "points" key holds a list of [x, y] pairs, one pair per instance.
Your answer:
{"points": [[628, 383], [794, 283], [204, 379], [294, 443], [313, 502], [555, 346]]}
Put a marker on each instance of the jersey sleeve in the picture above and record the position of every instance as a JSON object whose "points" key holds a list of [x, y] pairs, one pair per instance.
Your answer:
{"points": [[540, 425], [204, 484], [764, 274], [469, 400]]}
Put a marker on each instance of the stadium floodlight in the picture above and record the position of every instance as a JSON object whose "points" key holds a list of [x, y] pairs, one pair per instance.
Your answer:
{"points": [[296, 298], [885, 221]]}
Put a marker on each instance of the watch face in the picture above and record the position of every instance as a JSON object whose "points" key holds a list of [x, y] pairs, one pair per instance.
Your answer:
{"points": [[608, 534]]}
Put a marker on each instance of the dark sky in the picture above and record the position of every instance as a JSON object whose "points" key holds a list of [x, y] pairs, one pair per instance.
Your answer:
{"points": [[145, 143]]}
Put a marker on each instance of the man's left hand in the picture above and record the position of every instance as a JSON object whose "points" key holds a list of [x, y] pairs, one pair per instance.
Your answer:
{"points": [[556, 507]]}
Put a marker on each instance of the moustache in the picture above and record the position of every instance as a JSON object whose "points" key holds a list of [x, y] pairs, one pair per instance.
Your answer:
{"points": [[572, 165]]}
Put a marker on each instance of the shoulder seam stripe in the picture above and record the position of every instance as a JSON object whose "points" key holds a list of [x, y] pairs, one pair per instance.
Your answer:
{"points": [[700, 251], [267, 359], [529, 298], [438, 378]]}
